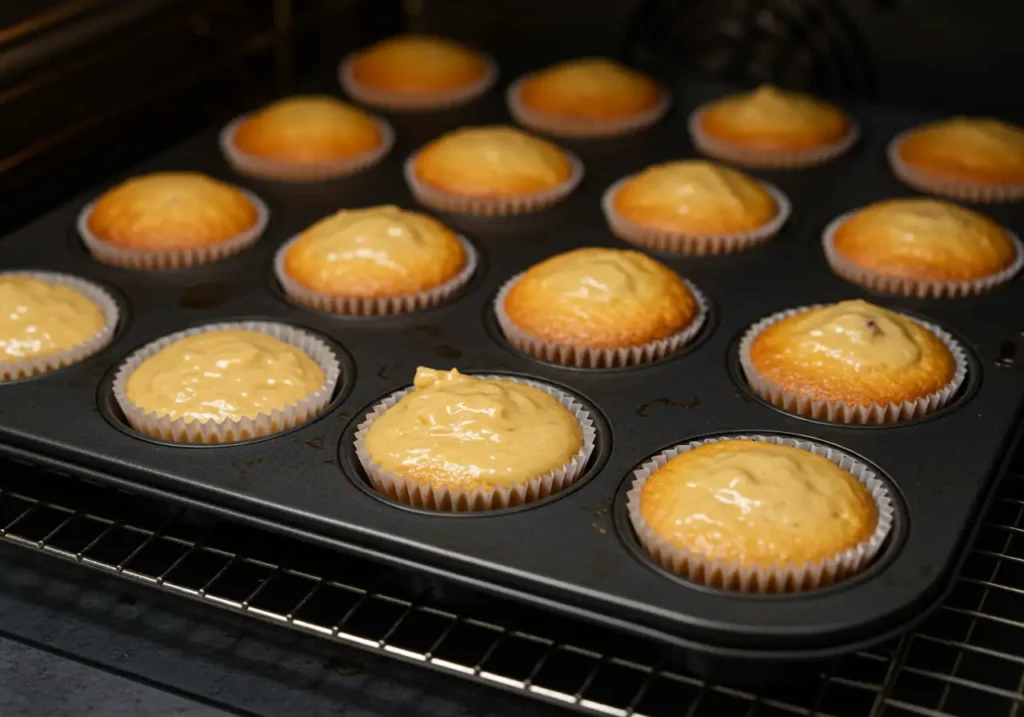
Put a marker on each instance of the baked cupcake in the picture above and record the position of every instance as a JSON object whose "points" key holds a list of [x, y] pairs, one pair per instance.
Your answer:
{"points": [[417, 72], [852, 362], [599, 308], [463, 443], [306, 138], [971, 158], [374, 261], [48, 321], [694, 207], [922, 247], [169, 220], [769, 127], [226, 382], [492, 171], [588, 97], [761, 514]]}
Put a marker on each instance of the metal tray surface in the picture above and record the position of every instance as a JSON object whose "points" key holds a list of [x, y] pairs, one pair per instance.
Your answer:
{"points": [[574, 552]]}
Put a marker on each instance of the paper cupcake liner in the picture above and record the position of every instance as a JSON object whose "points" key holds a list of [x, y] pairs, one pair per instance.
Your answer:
{"points": [[179, 430], [415, 101], [956, 189], [582, 127], [376, 306], [585, 357], [678, 243], [443, 498], [920, 288], [767, 158], [23, 368], [262, 168], [177, 258], [451, 203], [784, 578], [838, 411]]}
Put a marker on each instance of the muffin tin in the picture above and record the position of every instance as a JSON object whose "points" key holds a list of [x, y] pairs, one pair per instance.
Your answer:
{"points": [[574, 551]]}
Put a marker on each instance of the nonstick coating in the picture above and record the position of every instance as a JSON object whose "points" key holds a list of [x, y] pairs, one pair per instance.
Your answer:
{"points": [[574, 552]]}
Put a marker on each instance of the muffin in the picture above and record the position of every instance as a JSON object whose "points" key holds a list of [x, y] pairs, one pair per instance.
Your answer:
{"points": [[226, 382], [48, 321], [455, 443], [852, 362], [694, 207], [491, 170], [971, 158], [374, 261], [168, 220], [599, 308], [769, 127], [761, 514], [588, 97], [306, 138], [921, 247], [417, 72]]}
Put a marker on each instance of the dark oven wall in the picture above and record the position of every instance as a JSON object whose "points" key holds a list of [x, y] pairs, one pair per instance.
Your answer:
{"points": [[950, 54]]}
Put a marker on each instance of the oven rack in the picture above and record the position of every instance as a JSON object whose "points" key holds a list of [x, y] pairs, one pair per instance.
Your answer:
{"points": [[966, 659]]}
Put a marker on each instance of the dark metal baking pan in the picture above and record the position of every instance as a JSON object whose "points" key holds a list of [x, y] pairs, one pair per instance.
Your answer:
{"points": [[571, 553]]}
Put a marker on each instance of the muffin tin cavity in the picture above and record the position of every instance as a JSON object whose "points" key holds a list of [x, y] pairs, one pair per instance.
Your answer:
{"points": [[597, 455]]}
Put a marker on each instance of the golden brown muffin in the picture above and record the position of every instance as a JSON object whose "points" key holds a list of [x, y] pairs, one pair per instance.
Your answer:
{"points": [[601, 299], [694, 197], [39, 318], [924, 239], [966, 149], [308, 129], [171, 210], [374, 252], [852, 353], [769, 118], [757, 505], [495, 161], [417, 67], [592, 95], [464, 433]]}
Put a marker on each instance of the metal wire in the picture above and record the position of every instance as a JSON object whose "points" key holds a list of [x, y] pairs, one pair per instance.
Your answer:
{"points": [[968, 659]]}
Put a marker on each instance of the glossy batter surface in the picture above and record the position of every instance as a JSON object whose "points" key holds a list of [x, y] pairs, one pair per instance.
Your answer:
{"points": [[924, 239], [492, 161], [757, 504], [467, 432], [375, 252], [695, 197], [224, 374], [589, 88], [973, 149], [39, 318], [418, 64], [853, 352], [600, 298]]}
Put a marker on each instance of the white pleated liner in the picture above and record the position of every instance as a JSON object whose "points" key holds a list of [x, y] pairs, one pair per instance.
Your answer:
{"points": [[452, 203], [768, 158], [964, 190], [442, 498], [253, 165], [678, 243], [177, 258], [920, 288], [585, 357], [23, 368], [227, 431], [838, 411], [784, 578], [373, 306], [415, 101], [582, 127]]}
